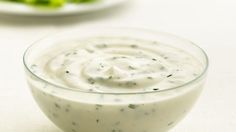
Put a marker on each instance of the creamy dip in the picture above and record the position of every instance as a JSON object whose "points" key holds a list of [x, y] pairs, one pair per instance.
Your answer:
{"points": [[118, 65], [119, 83]]}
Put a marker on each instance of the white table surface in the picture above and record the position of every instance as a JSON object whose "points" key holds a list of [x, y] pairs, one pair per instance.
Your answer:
{"points": [[209, 23]]}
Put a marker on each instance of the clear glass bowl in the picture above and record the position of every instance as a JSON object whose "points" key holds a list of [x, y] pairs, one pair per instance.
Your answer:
{"points": [[81, 111]]}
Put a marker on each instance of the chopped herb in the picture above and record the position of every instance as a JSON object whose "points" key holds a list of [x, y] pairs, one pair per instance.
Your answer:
{"points": [[117, 123], [44, 94], [155, 42], [67, 110], [89, 50], [73, 123], [155, 89], [153, 110], [74, 53], [67, 54], [33, 66], [90, 90], [154, 59], [149, 78], [184, 111], [98, 105], [114, 58], [91, 80], [171, 123], [132, 106], [57, 106], [68, 105], [171, 81], [169, 75], [101, 65], [123, 57], [162, 68], [113, 131], [131, 67], [54, 115], [67, 72], [97, 120], [133, 46], [165, 57], [122, 110], [110, 77], [130, 84], [101, 46]]}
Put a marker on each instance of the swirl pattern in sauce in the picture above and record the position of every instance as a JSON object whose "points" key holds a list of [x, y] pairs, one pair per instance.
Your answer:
{"points": [[107, 64]]}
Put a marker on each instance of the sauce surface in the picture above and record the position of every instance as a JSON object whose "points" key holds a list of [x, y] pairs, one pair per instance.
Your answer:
{"points": [[108, 64]]}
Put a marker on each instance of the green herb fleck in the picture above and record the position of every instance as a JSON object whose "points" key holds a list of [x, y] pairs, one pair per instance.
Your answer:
{"points": [[91, 80], [74, 123], [162, 68], [33, 66], [132, 106], [155, 89], [117, 123], [57, 105], [131, 67], [130, 84], [133, 46], [67, 54], [54, 115], [170, 123], [67, 110], [122, 110], [114, 58], [169, 75], [90, 90], [101, 65], [98, 105], [89, 50], [101, 46], [67, 72], [154, 59], [153, 110], [97, 120], [110, 77], [150, 78]]}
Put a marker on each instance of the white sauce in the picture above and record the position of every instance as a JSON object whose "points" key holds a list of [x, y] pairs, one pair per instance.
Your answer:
{"points": [[115, 65], [118, 65]]}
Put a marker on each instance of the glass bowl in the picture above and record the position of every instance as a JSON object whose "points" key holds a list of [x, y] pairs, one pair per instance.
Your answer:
{"points": [[75, 110]]}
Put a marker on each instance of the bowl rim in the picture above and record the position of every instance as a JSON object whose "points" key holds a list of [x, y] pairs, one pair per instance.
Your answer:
{"points": [[197, 78]]}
